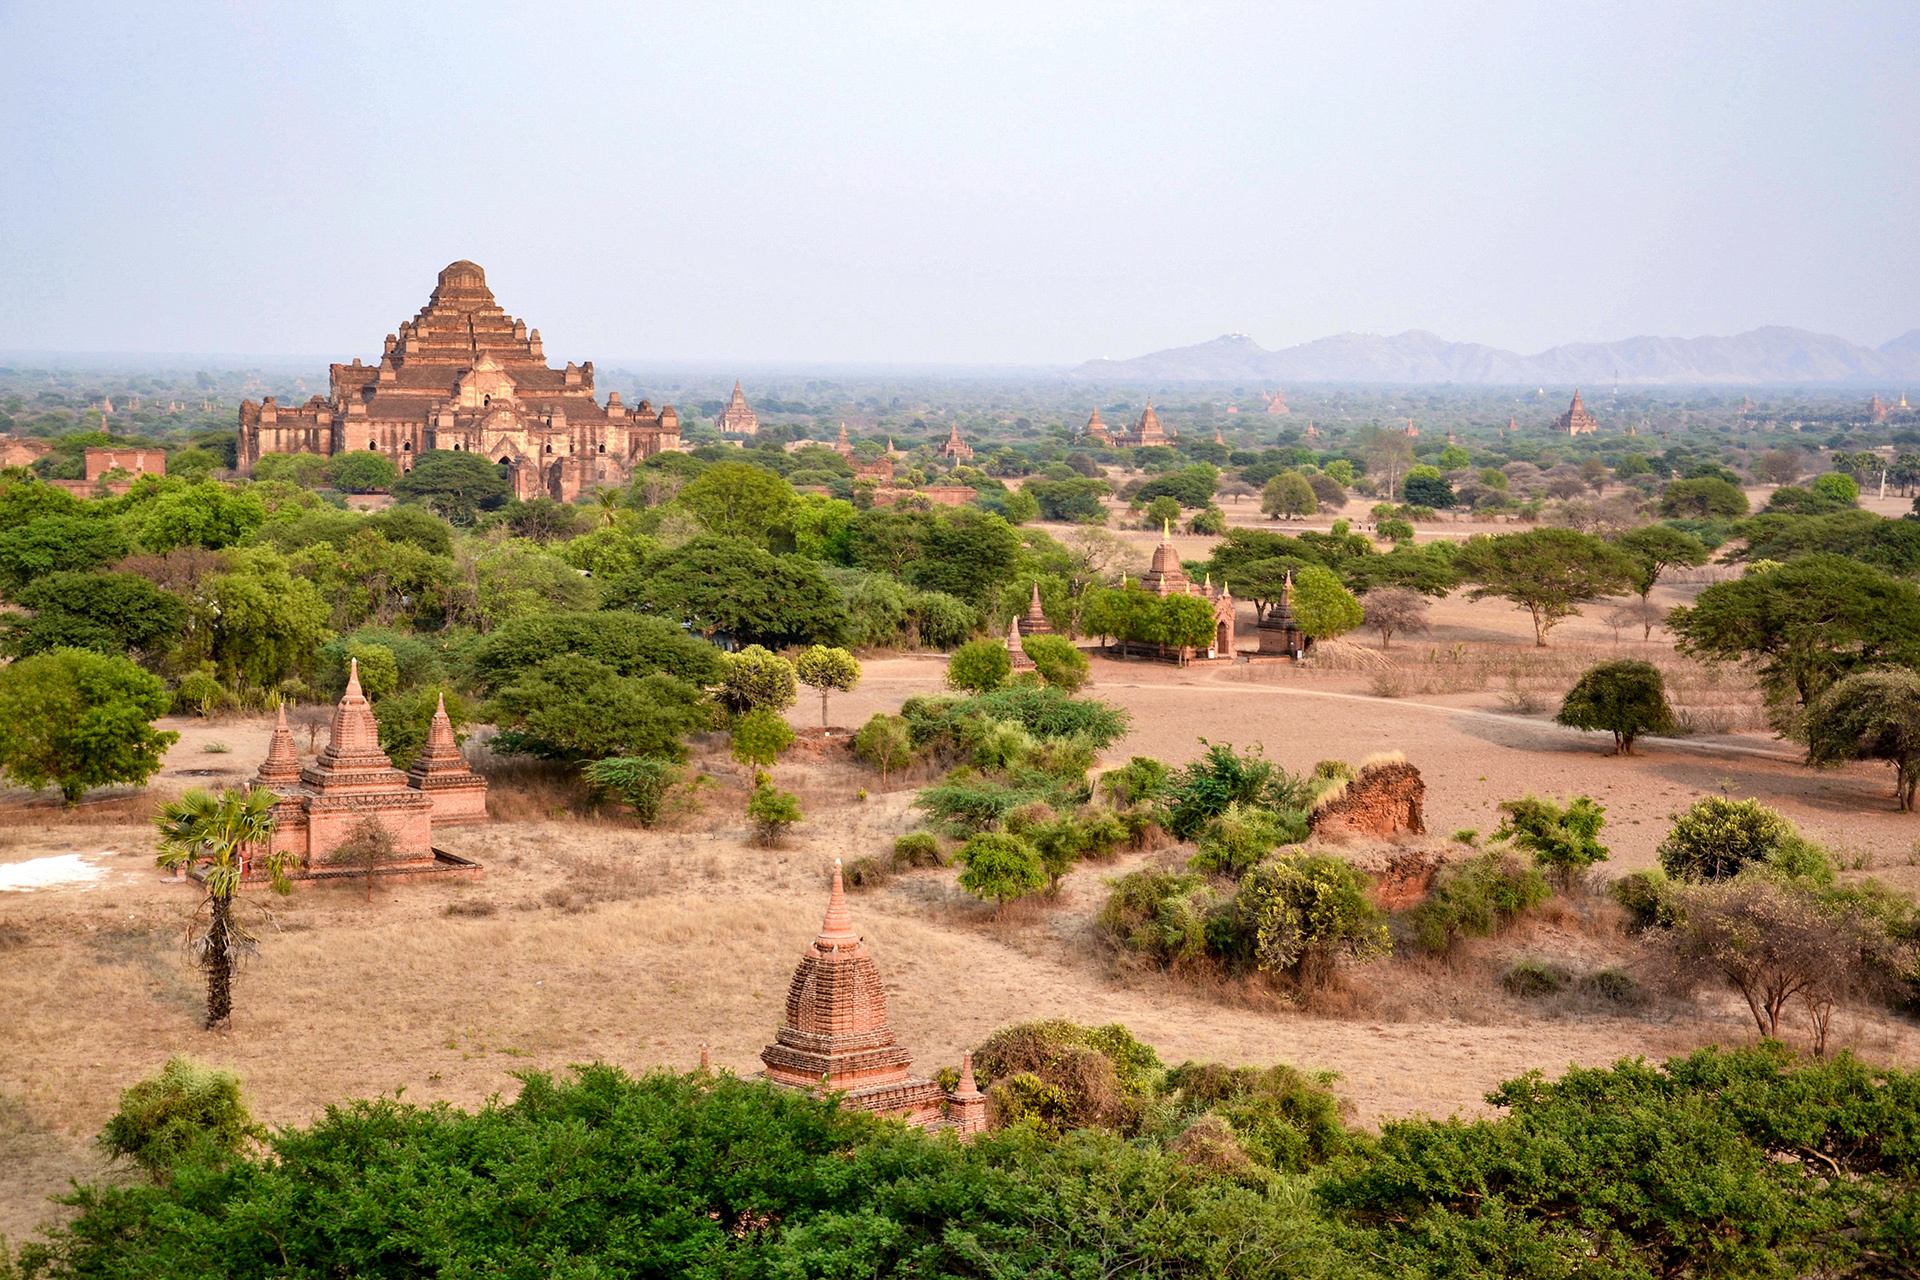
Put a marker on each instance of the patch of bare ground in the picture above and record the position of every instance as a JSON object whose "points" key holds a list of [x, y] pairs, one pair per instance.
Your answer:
{"points": [[589, 937]]}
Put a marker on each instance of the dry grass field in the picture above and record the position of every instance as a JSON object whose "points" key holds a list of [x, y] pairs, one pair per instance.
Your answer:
{"points": [[591, 938]]}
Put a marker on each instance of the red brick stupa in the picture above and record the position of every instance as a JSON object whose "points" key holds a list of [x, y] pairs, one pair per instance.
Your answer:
{"points": [[1035, 623], [459, 794], [836, 1035]]}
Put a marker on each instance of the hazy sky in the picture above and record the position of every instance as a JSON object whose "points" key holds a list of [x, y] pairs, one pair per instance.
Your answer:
{"points": [[1032, 183]]}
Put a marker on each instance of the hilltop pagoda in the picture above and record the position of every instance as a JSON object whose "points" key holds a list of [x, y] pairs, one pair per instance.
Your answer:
{"points": [[464, 376]]}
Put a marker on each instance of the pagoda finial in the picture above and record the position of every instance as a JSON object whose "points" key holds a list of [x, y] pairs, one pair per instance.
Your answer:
{"points": [[1166, 532], [966, 1073], [838, 925], [353, 679], [704, 1064]]}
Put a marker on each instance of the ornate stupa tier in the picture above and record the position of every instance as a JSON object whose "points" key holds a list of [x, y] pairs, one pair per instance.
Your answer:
{"points": [[1035, 623], [280, 771], [353, 759], [440, 771]]}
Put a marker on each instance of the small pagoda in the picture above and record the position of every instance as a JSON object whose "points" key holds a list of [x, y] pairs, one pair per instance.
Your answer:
{"points": [[1035, 623], [1097, 431], [836, 1038], [1281, 639], [737, 419]]}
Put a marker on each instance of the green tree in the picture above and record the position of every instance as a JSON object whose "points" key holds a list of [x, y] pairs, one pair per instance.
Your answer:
{"points": [[361, 471], [1871, 715], [578, 708], [208, 514], [628, 643], [56, 544], [1162, 511], [728, 586], [1718, 838], [1807, 623], [454, 485], [979, 666], [827, 669], [186, 1113], [1547, 572], [106, 612], [1422, 490], [965, 554], [1058, 660], [1702, 499], [224, 838], [739, 500], [258, 624], [1626, 698], [760, 737], [1288, 495], [772, 812], [1652, 550], [1322, 606], [1179, 622], [516, 578], [608, 551], [1001, 867], [1564, 840], [406, 719], [1838, 487], [756, 680], [76, 720], [821, 527], [304, 469], [885, 742]]}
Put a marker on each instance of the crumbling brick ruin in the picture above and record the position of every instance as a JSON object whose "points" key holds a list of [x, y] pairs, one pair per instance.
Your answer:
{"points": [[1386, 799]]}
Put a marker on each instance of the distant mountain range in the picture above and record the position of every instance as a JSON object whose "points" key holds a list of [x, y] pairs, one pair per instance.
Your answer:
{"points": [[1773, 354]]}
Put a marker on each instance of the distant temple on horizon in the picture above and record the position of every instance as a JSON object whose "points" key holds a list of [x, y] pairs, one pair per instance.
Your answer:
{"points": [[463, 375], [737, 419], [1145, 432], [1576, 421]]}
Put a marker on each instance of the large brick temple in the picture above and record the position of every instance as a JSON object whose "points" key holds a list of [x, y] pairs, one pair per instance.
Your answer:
{"points": [[464, 375]]}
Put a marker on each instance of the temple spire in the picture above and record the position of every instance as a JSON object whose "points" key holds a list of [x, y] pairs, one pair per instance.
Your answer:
{"points": [[838, 925]]}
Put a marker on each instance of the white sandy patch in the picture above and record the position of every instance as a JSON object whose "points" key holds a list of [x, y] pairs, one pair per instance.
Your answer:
{"points": [[44, 873]]}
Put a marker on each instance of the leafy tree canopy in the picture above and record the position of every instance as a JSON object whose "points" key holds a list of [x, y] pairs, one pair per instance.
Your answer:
{"points": [[1548, 572], [76, 720], [1704, 497], [55, 544], [106, 612], [454, 485], [739, 500], [208, 514], [728, 585], [1627, 698], [628, 643], [578, 708]]}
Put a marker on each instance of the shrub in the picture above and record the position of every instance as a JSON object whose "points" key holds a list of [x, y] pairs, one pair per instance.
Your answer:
{"points": [[1282, 1118], [641, 782], [1535, 978], [1059, 661], [1300, 912], [1614, 985], [865, 873], [967, 803], [1205, 788], [1160, 914], [998, 744], [772, 813], [1717, 837], [1627, 698], [1001, 867], [917, 849], [1051, 713], [1235, 841], [1649, 900], [1476, 899], [1059, 1076], [1141, 780], [1561, 839], [979, 666], [885, 742], [187, 1112], [1836, 486]]}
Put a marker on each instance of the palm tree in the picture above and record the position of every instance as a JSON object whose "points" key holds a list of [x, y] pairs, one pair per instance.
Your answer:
{"points": [[201, 829], [608, 500]]}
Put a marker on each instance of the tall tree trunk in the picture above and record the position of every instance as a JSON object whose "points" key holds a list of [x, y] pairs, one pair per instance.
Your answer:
{"points": [[220, 963]]}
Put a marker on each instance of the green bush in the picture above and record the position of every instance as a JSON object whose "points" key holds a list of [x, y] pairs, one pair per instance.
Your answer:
{"points": [[1059, 661], [1476, 899], [1203, 790], [772, 813], [917, 849], [1235, 841], [979, 666], [755, 679], [1562, 840], [641, 782], [187, 1113], [1142, 780], [1301, 912], [1718, 837], [1649, 900], [1162, 915], [1001, 867]]}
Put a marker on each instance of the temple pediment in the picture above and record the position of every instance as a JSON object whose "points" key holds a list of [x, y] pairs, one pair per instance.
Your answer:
{"points": [[484, 384]]}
